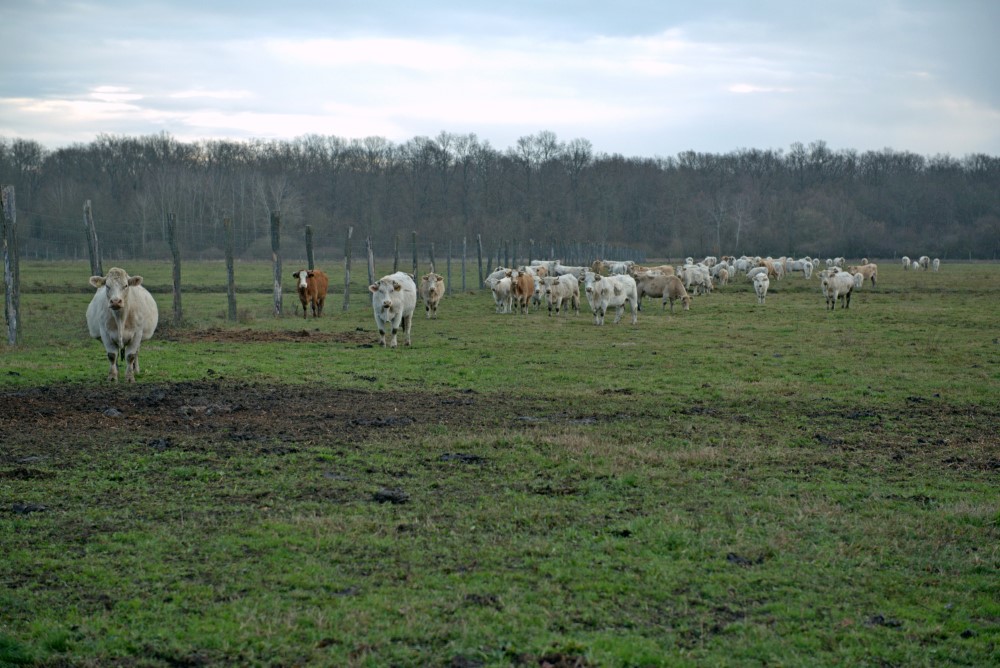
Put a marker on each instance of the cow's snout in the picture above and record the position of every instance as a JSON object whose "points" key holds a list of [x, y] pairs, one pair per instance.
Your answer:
{"points": [[116, 304], [386, 304]]}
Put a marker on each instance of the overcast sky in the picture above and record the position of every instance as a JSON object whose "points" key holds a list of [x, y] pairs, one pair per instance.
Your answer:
{"points": [[633, 77]]}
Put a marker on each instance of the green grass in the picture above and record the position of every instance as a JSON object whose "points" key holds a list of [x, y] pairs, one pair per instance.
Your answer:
{"points": [[733, 485]]}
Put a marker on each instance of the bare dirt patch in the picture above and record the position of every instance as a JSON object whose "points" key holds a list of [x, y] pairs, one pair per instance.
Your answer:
{"points": [[42, 421], [248, 335]]}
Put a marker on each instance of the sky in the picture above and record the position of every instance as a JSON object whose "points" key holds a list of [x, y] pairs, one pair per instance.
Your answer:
{"points": [[636, 78]]}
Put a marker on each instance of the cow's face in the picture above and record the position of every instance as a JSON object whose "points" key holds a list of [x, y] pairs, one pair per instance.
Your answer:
{"points": [[383, 293], [116, 285], [302, 278]]}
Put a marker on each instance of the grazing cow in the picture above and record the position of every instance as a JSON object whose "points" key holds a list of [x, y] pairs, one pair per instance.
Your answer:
{"points": [[394, 299], [868, 271], [616, 291], [652, 283], [122, 314], [522, 289], [674, 290], [431, 291], [312, 285]]}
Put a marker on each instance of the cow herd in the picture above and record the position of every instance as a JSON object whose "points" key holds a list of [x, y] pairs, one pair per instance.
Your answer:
{"points": [[122, 313]]}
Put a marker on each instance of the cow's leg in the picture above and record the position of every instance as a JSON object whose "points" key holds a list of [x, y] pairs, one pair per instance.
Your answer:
{"points": [[305, 308], [407, 325], [131, 365], [113, 371]]}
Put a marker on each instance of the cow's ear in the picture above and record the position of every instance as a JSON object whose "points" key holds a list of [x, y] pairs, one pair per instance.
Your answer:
{"points": [[396, 286], [135, 280], [295, 275], [373, 287], [310, 273], [425, 277], [97, 281]]}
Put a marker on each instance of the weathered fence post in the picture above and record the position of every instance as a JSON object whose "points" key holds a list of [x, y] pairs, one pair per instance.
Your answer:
{"points": [[230, 273], [506, 255], [276, 258], [531, 251], [463, 262], [175, 254], [479, 252], [432, 260], [371, 260], [347, 268], [414, 245], [310, 260], [11, 268], [92, 247], [395, 255], [448, 286]]}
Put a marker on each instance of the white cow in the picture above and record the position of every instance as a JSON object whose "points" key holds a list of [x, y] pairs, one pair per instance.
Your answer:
{"points": [[394, 299], [760, 285], [613, 291], [122, 314], [561, 289]]}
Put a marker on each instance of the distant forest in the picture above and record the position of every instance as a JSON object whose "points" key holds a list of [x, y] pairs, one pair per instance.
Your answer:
{"points": [[808, 200]]}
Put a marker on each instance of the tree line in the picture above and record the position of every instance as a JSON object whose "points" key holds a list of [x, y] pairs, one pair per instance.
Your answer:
{"points": [[807, 200]]}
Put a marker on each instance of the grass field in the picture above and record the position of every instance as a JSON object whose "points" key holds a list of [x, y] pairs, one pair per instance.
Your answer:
{"points": [[733, 485]]}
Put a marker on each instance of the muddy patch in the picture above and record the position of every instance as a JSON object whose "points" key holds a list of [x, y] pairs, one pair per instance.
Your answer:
{"points": [[248, 335]]}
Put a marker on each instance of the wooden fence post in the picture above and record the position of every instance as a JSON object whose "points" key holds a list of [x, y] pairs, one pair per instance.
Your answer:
{"points": [[176, 255], [310, 260], [395, 255], [414, 245], [11, 266], [432, 260], [92, 248], [448, 285], [464, 239], [371, 260], [230, 273], [276, 258], [479, 252], [347, 268]]}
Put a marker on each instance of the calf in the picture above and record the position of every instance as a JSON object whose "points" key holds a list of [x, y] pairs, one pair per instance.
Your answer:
{"points": [[431, 291], [312, 285]]}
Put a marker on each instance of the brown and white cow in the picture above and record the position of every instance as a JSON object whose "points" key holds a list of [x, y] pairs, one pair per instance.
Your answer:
{"points": [[431, 291], [122, 314], [312, 285]]}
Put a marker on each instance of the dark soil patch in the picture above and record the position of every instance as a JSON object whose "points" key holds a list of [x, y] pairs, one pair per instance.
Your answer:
{"points": [[276, 419], [308, 334]]}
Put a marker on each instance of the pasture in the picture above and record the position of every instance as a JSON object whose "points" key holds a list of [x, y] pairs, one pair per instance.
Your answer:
{"points": [[739, 484]]}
